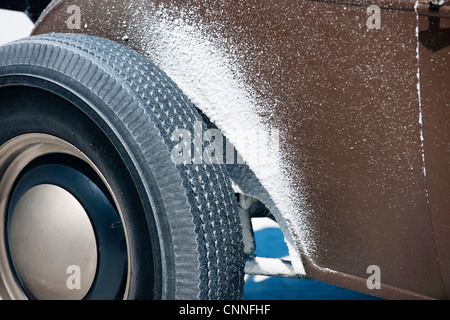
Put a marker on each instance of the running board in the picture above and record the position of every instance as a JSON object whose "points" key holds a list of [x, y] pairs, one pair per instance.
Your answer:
{"points": [[271, 267]]}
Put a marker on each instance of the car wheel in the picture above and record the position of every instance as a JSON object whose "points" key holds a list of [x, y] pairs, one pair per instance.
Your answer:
{"points": [[92, 206]]}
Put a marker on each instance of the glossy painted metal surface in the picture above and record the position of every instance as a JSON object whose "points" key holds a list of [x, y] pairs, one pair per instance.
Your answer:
{"points": [[362, 112]]}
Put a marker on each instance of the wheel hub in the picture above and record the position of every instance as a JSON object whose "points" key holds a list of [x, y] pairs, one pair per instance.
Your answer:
{"points": [[63, 237], [52, 244]]}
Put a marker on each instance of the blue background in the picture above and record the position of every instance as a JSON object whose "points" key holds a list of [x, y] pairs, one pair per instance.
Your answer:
{"points": [[270, 244]]}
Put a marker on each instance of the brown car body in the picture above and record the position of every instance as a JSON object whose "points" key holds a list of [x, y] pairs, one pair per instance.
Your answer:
{"points": [[363, 115]]}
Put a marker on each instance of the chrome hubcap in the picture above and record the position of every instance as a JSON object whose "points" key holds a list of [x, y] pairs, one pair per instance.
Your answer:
{"points": [[63, 237], [52, 244]]}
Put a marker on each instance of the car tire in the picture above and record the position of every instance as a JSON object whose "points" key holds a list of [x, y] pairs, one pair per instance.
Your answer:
{"points": [[88, 188]]}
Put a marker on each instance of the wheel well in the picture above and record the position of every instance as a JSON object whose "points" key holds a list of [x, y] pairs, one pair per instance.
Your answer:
{"points": [[254, 201]]}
